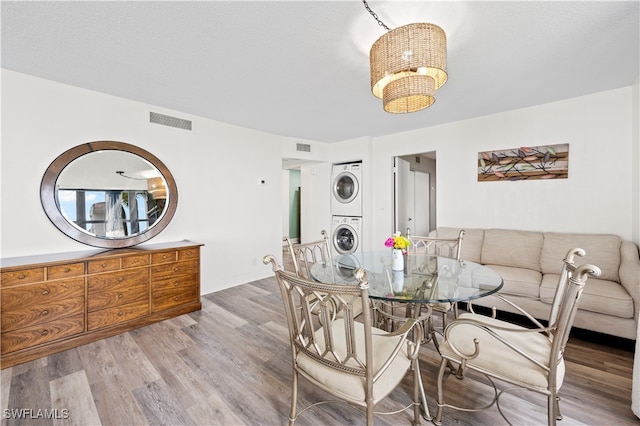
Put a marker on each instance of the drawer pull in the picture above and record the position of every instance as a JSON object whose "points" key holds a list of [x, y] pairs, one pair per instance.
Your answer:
{"points": [[45, 292], [45, 332], [22, 277], [104, 265], [176, 284], [45, 312], [189, 253], [121, 313], [176, 298], [120, 279], [176, 269], [164, 256], [120, 296], [66, 270]]}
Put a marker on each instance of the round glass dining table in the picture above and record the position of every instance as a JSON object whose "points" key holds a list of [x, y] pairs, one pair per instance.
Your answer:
{"points": [[425, 278]]}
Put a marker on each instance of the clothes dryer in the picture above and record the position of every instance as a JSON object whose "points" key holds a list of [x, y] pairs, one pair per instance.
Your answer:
{"points": [[346, 190], [346, 234]]}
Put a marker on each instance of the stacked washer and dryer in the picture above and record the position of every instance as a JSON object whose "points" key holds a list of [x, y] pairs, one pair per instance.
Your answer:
{"points": [[346, 207]]}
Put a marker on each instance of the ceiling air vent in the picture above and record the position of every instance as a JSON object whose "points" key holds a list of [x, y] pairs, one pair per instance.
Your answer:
{"points": [[303, 147], [167, 120]]}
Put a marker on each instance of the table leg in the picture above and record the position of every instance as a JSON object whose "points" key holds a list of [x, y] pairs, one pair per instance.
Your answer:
{"points": [[421, 338]]}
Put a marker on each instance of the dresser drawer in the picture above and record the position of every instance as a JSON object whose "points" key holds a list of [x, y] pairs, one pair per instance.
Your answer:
{"points": [[172, 297], [135, 261], [112, 316], [104, 265], [162, 272], [23, 276], [117, 280], [188, 254], [175, 283], [163, 257], [43, 333], [123, 295], [65, 271]]}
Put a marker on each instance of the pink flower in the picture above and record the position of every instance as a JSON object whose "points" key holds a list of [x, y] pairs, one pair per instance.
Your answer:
{"points": [[389, 242]]}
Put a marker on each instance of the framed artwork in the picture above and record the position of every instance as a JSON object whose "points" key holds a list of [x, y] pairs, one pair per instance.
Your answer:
{"points": [[524, 163]]}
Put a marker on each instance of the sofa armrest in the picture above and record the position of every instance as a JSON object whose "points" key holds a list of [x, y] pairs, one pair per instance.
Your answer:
{"points": [[630, 272]]}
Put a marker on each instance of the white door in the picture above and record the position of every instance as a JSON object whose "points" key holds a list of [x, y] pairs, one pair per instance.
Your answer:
{"points": [[411, 199], [403, 196], [420, 203]]}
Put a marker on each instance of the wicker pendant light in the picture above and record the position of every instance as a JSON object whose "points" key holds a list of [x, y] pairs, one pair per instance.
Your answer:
{"points": [[157, 188], [409, 94], [408, 65]]}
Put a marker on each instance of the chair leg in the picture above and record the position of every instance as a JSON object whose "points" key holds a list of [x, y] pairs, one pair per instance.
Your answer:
{"points": [[440, 398], [557, 406], [552, 405], [419, 399], [369, 412], [294, 397]]}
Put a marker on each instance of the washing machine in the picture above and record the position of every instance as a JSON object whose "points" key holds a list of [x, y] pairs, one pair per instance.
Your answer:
{"points": [[346, 234], [346, 190]]}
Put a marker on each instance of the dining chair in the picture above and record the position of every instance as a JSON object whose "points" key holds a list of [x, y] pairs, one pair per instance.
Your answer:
{"points": [[443, 247], [524, 357], [439, 246], [350, 359], [305, 255]]}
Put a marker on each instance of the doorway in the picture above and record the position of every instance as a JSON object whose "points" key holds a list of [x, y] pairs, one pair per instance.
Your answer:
{"points": [[291, 196], [415, 193]]}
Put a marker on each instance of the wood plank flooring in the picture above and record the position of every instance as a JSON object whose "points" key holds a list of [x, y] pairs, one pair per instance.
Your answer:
{"points": [[229, 364]]}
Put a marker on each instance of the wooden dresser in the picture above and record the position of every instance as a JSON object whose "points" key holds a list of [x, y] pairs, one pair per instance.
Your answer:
{"points": [[51, 303]]}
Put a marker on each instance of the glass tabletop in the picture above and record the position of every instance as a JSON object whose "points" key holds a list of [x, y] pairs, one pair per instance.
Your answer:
{"points": [[425, 279]]}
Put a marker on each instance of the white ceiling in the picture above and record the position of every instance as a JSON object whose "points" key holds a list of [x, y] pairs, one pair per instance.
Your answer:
{"points": [[301, 68]]}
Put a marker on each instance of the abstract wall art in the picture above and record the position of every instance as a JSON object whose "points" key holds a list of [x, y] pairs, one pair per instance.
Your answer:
{"points": [[524, 163]]}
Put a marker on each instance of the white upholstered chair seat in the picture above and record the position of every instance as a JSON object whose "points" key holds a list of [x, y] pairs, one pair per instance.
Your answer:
{"points": [[351, 386], [497, 357]]}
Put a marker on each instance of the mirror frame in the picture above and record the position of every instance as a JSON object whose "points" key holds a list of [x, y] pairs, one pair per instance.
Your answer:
{"points": [[50, 205]]}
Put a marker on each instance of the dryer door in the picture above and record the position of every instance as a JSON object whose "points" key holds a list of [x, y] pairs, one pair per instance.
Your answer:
{"points": [[345, 187], [345, 239]]}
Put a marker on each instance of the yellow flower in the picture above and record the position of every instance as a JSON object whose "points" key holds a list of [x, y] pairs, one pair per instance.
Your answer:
{"points": [[397, 242]]}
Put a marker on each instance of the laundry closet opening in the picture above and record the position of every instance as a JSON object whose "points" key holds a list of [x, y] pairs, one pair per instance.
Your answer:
{"points": [[415, 193]]}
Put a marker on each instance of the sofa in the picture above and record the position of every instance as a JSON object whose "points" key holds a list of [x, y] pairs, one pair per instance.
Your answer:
{"points": [[530, 262]]}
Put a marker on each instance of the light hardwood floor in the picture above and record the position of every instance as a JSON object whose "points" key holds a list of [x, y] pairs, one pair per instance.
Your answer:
{"points": [[229, 364]]}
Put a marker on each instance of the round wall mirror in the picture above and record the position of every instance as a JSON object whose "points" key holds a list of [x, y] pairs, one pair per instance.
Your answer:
{"points": [[109, 194]]}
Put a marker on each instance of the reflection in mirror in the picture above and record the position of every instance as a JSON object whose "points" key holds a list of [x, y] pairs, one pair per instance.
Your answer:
{"points": [[109, 194]]}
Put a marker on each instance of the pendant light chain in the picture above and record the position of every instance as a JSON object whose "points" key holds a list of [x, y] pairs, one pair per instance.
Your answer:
{"points": [[375, 16]]}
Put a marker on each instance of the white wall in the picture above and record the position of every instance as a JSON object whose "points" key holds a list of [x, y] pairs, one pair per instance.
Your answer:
{"points": [[216, 166], [596, 197]]}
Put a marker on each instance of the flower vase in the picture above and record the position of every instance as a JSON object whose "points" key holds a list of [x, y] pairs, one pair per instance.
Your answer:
{"points": [[398, 281], [397, 260]]}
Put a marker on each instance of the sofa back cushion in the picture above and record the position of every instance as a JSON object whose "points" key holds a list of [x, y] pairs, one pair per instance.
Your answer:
{"points": [[519, 249], [471, 242], [601, 250]]}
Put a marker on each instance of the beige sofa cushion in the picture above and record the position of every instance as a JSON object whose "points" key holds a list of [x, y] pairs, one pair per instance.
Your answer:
{"points": [[601, 250], [601, 296], [471, 242], [520, 249], [518, 281]]}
